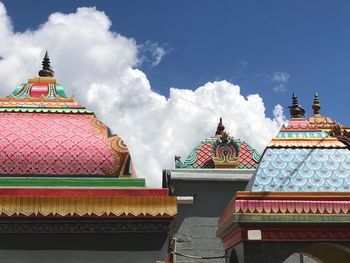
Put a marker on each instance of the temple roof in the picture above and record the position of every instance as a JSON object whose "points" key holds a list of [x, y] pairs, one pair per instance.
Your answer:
{"points": [[58, 160], [303, 158], [44, 132], [303, 180], [221, 151]]}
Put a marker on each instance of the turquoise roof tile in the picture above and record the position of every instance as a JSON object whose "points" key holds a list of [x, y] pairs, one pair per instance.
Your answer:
{"points": [[303, 170]]}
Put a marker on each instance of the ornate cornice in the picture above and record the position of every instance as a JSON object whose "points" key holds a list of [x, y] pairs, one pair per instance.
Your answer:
{"points": [[292, 207], [66, 206], [294, 195], [286, 207]]}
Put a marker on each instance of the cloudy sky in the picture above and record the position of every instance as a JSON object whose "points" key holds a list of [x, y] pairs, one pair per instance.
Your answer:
{"points": [[161, 74]]}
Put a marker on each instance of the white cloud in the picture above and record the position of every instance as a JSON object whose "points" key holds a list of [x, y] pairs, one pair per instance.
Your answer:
{"points": [[99, 67], [281, 80], [279, 115], [151, 53], [280, 76], [280, 87]]}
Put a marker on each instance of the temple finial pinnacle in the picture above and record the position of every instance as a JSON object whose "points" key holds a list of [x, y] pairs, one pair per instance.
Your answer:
{"points": [[316, 106], [46, 71], [296, 111], [220, 129]]}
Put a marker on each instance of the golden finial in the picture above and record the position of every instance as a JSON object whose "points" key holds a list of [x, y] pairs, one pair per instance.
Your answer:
{"points": [[316, 106]]}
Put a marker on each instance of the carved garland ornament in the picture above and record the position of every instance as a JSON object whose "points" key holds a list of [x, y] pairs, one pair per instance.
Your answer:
{"points": [[225, 152], [116, 146]]}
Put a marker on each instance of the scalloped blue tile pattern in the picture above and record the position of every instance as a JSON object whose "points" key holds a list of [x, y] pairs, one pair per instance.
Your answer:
{"points": [[303, 170]]}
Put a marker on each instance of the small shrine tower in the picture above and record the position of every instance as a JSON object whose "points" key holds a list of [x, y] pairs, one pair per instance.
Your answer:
{"points": [[203, 184]]}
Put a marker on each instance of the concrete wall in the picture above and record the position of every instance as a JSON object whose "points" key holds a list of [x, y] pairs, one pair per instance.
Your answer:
{"points": [[196, 224], [87, 248], [282, 252]]}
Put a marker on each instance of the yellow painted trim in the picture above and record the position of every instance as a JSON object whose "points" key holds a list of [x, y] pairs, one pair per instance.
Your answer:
{"points": [[306, 139], [42, 80], [88, 206]]}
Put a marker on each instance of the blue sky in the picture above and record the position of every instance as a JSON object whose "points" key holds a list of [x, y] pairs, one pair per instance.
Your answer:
{"points": [[268, 48], [244, 42]]}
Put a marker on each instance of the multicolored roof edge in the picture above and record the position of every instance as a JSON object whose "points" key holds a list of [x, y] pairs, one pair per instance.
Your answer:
{"points": [[220, 151]]}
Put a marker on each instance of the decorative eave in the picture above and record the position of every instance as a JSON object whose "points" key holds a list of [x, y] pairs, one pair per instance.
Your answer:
{"points": [[322, 122], [297, 124], [306, 143], [88, 206], [83, 198], [293, 195], [266, 212], [45, 110]]}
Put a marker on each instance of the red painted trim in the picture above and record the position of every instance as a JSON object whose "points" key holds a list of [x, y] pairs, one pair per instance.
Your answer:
{"points": [[234, 238], [322, 233], [289, 233], [228, 212], [336, 196], [83, 192], [39, 89]]}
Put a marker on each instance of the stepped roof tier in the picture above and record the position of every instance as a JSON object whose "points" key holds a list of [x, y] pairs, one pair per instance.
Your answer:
{"points": [[220, 151], [303, 179], [57, 159]]}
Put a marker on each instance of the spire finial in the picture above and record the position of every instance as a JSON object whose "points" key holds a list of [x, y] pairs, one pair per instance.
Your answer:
{"points": [[46, 71], [220, 129], [296, 111], [316, 106]]}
